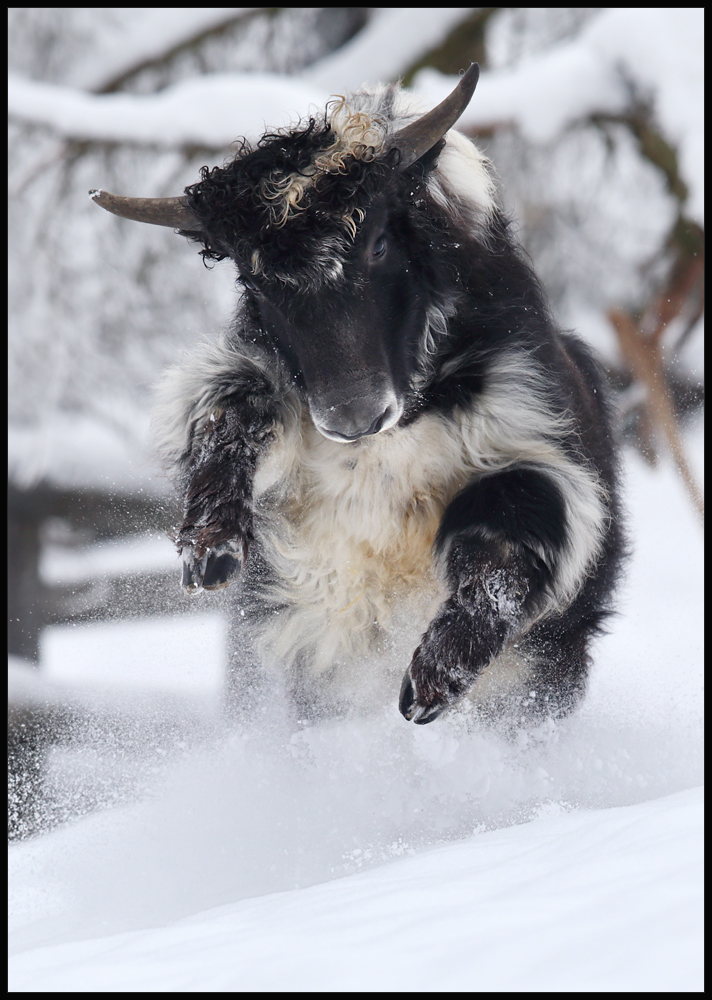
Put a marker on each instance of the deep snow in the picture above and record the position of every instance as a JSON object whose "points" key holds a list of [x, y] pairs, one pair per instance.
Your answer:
{"points": [[595, 901], [367, 854]]}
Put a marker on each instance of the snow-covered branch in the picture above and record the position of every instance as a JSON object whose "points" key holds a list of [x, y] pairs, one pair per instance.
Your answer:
{"points": [[622, 56], [392, 41], [151, 34], [210, 111]]}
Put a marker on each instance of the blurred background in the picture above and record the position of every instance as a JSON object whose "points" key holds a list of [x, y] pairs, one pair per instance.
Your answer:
{"points": [[592, 118]]}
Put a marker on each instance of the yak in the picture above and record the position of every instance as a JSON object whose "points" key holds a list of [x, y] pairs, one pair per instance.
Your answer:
{"points": [[393, 446]]}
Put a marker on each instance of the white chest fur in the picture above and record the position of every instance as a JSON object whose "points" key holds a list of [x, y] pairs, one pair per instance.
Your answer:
{"points": [[349, 529]]}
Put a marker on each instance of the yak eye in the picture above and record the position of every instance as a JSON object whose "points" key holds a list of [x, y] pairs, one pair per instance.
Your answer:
{"points": [[379, 247]]}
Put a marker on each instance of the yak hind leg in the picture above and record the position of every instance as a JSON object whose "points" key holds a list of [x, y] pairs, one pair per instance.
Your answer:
{"points": [[560, 663]]}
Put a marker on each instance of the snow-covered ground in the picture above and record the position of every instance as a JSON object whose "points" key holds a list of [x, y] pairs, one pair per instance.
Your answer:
{"points": [[590, 901], [367, 854]]}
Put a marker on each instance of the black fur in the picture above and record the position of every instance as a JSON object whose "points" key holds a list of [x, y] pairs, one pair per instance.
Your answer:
{"points": [[217, 478]]}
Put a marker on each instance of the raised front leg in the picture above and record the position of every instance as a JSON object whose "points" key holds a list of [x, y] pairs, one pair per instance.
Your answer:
{"points": [[502, 541], [216, 531], [215, 415]]}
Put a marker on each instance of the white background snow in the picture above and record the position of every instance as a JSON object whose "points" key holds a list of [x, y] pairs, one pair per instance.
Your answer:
{"points": [[367, 854]]}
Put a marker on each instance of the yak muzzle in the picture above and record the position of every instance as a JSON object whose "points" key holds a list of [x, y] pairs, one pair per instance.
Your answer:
{"points": [[356, 418]]}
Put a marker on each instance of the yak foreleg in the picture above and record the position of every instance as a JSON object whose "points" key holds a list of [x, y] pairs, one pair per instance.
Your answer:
{"points": [[217, 528], [500, 540]]}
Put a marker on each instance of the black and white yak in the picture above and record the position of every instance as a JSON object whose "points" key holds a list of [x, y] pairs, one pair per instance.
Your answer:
{"points": [[394, 442]]}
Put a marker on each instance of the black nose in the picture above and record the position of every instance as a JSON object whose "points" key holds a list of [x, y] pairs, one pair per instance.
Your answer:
{"points": [[356, 419], [352, 429]]}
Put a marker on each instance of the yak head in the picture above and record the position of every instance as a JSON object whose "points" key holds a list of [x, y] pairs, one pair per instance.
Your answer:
{"points": [[319, 220]]}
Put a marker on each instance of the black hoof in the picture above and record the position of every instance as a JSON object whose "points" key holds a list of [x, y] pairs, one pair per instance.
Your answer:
{"points": [[192, 575], [213, 571], [406, 703], [221, 569], [429, 715], [421, 715]]}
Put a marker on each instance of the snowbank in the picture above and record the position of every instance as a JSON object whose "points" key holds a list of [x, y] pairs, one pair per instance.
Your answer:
{"points": [[585, 902]]}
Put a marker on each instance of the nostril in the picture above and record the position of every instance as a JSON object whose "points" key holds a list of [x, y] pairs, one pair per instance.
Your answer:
{"points": [[376, 425], [380, 421]]}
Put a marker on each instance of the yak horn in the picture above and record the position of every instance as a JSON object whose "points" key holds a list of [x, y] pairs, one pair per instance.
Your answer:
{"points": [[416, 139], [171, 212]]}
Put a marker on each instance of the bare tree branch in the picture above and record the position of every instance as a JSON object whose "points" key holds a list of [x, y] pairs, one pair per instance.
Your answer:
{"points": [[644, 355], [119, 80]]}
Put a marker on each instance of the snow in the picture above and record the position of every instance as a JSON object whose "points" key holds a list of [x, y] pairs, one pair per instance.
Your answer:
{"points": [[367, 854], [360, 854], [148, 34], [566, 903], [184, 655], [93, 48], [655, 53], [80, 451], [142, 553], [533, 94], [691, 358], [27, 686], [661, 52], [214, 109]]}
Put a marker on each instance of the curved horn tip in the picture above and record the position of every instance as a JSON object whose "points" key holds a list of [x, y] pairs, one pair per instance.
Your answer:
{"points": [[170, 212], [416, 139], [96, 195], [469, 78], [102, 198]]}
